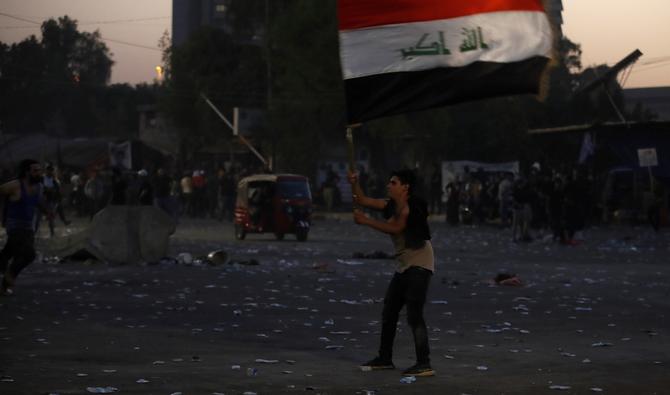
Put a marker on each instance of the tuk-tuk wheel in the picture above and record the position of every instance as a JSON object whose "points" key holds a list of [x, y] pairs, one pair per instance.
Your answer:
{"points": [[279, 236], [301, 234], [239, 232]]}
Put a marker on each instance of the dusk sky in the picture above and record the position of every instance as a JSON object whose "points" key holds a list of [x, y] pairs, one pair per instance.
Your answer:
{"points": [[608, 30]]}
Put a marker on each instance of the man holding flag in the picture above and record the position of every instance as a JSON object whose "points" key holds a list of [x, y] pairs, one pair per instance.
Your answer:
{"points": [[407, 223], [407, 55]]}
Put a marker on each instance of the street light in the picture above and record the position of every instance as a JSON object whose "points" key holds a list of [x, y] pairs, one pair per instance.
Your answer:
{"points": [[159, 73]]}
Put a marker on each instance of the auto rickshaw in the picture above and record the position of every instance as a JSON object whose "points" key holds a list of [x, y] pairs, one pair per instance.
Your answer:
{"points": [[273, 203]]}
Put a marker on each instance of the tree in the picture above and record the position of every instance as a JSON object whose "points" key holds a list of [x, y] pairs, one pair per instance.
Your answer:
{"points": [[54, 80], [307, 109]]}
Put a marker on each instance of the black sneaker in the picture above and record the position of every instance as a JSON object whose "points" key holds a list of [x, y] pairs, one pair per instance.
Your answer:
{"points": [[377, 364], [419, 370]]}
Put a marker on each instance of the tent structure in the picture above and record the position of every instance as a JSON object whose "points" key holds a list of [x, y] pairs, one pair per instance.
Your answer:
{"points": [[627, 142], [72, 152], [121, 234]]}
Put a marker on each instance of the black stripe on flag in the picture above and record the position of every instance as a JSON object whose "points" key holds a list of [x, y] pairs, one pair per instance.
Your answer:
{"points": [[395, 93]]}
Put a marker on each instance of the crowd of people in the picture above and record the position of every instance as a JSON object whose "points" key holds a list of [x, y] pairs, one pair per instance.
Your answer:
{"points": [[196, 193], [549, 200], [544, 199]]}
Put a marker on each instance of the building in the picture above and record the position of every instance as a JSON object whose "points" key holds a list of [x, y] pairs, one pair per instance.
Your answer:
{"points": [[189, 15], [656, 100]]}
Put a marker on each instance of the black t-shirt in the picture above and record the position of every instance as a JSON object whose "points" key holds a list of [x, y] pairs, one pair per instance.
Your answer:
{"points": [[417, 230]]}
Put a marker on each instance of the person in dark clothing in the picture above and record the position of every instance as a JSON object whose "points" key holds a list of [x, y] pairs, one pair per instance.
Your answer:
{"points": [[654, 210], [119, 188], [226, 195], [146, 191], [556, 207], [52, 195], [574, 212], [523, 196], [453, 190], [24, 197], [161, 187], [436, 191], [407, 224]]}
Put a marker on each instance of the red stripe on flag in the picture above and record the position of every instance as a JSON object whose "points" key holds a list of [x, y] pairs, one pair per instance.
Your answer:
{"points": [[356, 14]]}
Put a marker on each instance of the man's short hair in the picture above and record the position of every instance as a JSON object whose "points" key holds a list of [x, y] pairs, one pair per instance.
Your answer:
{"points": [[406, 177], [24, 166]]}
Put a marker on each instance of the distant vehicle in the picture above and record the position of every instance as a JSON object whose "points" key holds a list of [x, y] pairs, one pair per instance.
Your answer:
{"points": [[273, 203]]}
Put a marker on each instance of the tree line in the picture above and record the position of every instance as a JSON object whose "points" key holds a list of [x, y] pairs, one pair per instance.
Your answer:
{"points": [[283, 57]]}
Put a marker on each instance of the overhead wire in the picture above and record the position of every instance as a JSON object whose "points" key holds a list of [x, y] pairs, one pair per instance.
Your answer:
{"points": [[654, 66], [101, 37]]}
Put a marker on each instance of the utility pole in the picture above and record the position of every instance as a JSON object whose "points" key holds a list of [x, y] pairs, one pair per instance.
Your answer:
{"points": [[268, 67]]}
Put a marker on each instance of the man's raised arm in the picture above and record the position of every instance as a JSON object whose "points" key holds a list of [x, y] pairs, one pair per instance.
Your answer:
{"points": [[359, 196]]}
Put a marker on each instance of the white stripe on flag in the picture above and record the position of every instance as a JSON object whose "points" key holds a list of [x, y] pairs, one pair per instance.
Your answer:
{"points": [[497, 37]]}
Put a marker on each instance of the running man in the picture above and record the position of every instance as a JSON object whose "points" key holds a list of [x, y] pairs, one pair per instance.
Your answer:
{"points": [[24, 196]]}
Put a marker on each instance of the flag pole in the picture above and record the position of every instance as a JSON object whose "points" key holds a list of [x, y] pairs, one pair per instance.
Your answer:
{"points": [[350, 144]]}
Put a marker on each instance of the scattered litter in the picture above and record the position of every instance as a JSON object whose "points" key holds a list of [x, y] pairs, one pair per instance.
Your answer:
{"points": [[348, 262], [185, 258], [142, 381], [219, 257], [267, 361], [508, 279], [252, 372], [334, 347], [560, 387], [482, 368], [408, 380], [101, 390], [601, 344]]}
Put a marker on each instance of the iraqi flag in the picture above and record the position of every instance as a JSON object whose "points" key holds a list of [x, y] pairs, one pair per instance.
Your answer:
{"points": [[407, 55]]}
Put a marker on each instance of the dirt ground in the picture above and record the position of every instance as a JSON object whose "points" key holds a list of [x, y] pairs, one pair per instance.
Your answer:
{"points": [[589, 319]]}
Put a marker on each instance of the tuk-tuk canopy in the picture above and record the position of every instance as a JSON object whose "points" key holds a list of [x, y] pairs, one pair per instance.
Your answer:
{"points": [[247, 185]]}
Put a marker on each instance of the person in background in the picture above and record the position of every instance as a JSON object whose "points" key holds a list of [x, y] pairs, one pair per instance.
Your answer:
{"points": [[94, 190], [53, 198], [146, 190]]}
